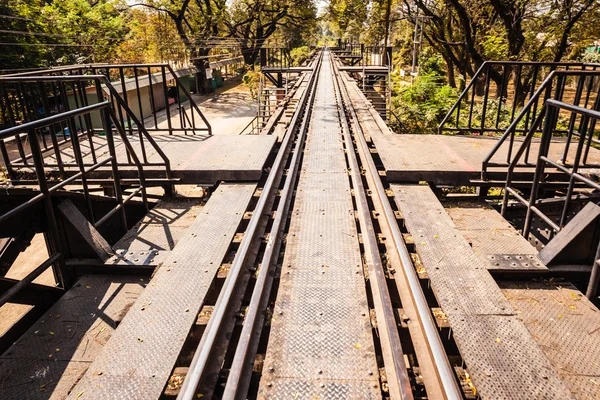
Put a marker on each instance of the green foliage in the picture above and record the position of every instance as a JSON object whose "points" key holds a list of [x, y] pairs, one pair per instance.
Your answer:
{"points": [[420, 107], [432, 65], [47, 33], [593, 57], [252, 80], [300, 54], [494, 47]]}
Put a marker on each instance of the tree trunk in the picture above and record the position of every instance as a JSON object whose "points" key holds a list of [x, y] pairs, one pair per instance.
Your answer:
{"points": [[449, 71]]}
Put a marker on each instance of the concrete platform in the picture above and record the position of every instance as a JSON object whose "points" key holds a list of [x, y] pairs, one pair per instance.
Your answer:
{"points": [[447, 159]]}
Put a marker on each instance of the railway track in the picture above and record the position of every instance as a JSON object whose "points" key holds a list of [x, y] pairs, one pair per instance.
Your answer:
{"points": [[249, 338], [314, 268]]}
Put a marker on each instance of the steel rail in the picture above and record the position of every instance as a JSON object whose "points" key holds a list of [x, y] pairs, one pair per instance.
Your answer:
{"points": [[237, 383], [393, 356], [204, 350], [446, 376]]}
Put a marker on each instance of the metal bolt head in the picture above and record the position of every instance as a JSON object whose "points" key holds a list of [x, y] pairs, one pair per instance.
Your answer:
{"points": [[271, 369]]}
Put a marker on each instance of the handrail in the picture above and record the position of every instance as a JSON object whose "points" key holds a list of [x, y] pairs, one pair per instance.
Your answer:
{"points": [[250, 125], [17, 129], [100, 80], [585, 134], [545, 87], [122, 80], [509, 68], [579, 160], [54, 239]]}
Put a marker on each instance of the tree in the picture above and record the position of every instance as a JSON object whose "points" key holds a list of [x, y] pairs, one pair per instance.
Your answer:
{"points": [[252, 22], [42, 34]]}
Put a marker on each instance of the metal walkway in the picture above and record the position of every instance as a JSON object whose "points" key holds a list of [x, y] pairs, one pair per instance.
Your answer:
{"points": [[321, 274], [492, 340], [320, 342], [157, 325]]}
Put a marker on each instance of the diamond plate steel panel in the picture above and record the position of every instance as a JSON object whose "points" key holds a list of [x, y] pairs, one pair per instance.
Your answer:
{"points": [[321, 345], [151, 240], [459, 279], [501, 356], [490, 235], [565, 325], [48, 360], [503, 359], [137, 361]]}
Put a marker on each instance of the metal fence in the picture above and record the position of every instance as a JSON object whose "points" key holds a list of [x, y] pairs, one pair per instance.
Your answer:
{"points": [[585, 85], [500, 90], [37, 98], [581, 134], [275, 57], [154, 93], [47, 187]]}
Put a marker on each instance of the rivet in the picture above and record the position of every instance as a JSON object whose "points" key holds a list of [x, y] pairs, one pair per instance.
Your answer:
{"points": [[269, 384]]}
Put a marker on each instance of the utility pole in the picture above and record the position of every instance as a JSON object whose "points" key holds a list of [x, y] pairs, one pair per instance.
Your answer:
{"points": [[417, 43]]}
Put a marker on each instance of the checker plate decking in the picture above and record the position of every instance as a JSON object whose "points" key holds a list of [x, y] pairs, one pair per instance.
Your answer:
{"points": [[50, 358], [320, 345], [156, 235], [446, 159], [137, 362], [491, 236], [491, 339], [566, 325]]}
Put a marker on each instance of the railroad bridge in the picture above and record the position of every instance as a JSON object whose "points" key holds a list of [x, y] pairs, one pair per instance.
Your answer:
{"points": [[317, 254]]}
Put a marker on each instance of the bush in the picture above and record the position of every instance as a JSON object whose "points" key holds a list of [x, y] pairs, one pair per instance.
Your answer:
{"points": [[420, 107], [252, 80], [299, 55]]}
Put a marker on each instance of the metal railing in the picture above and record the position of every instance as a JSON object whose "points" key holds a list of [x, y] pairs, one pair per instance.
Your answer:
{"points": [[252, 128], [154, 93], [377, 56], [494, 97], [49, 188], [577, 87], [580, 135], [32, 97], [275, 57]]}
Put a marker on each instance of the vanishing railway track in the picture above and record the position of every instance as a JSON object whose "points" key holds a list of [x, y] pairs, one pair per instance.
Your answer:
{"points": [[413, 360]]}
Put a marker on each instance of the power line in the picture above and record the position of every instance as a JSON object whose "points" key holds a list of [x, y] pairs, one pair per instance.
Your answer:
{"points": [[54, 35], [47, 44]]}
